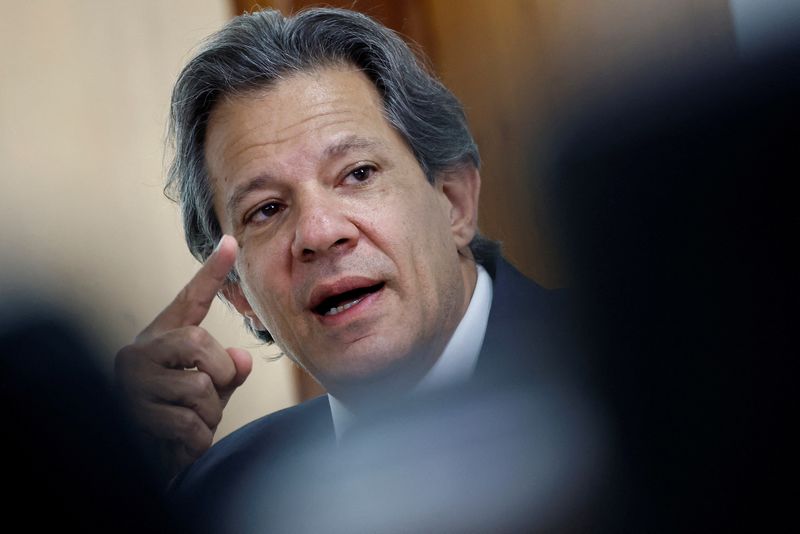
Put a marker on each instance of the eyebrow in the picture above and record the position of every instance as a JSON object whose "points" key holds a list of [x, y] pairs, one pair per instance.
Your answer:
{"points": [[349, 143], [343, 146], [257, 183]]}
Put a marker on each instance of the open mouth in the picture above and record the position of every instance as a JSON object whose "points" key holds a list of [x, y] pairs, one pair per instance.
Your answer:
{"points": [[336, 304]]}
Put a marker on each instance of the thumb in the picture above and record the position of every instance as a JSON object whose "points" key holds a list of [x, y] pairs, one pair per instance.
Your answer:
{"points": [[243, 363]]}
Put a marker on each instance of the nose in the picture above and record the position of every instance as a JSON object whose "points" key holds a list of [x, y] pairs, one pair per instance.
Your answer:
{"points": [[323, 228]]}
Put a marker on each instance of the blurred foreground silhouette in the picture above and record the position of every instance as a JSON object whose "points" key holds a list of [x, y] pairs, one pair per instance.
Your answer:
{"points": [[72, 454]]}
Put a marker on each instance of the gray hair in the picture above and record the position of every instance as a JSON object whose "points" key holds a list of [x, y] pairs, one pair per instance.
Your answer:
{"points": [[254, 51]]}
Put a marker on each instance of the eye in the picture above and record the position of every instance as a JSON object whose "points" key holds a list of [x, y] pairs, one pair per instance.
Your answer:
{"points": [[360, 174], [264, 212]]}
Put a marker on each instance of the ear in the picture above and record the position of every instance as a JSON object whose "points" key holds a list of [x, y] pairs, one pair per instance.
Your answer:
{"points": [[461, 188], [233, 293]]}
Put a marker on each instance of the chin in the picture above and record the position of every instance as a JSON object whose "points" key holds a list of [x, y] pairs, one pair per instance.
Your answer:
{"points": [[376, 372]]}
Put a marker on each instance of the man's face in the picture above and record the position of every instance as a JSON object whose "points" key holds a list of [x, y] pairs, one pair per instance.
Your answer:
{"points": [[349, 257]]}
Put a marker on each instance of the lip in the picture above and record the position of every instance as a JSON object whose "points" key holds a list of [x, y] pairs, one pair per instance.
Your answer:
{"points": [[336, 287], [351, 313]]}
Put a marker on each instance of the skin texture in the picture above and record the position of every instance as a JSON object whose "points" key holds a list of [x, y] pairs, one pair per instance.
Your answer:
{"points": [[322, 193]]}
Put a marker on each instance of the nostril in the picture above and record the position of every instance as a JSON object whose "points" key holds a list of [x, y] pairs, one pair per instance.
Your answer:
{"points": [[341, 241]]}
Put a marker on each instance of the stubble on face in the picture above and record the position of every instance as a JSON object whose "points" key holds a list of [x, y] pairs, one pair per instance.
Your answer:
{"points": [[393, 229]]}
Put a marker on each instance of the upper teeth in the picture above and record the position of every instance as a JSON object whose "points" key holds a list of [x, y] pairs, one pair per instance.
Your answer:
{"points": [[343, 307]]}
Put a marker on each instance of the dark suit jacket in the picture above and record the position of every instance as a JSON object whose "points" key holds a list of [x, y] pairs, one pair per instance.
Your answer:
{"points": [[519, 345]]}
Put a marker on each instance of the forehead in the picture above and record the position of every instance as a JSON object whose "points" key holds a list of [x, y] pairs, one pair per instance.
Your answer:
{"points": [[301, 108]]}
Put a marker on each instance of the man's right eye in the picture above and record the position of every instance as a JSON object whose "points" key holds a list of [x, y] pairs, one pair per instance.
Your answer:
{"points": [[264, 212]]}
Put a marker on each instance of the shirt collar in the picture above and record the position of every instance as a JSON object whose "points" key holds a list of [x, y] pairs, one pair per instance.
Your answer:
{"points": [[458, 360]]}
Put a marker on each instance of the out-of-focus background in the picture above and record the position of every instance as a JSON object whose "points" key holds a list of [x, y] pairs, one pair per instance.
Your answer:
{"points": [[84, 98]]}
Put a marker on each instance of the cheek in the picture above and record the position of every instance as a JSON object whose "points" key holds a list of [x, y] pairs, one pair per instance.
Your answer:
{"points": [[265, 292], [427, 249], [431, 227]]}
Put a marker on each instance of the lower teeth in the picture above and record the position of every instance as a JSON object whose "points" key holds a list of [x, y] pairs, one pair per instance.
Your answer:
{"points": [[343, 307]]}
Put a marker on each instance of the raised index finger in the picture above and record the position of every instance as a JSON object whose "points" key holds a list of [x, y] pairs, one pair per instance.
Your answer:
{"points": [[191, 305]]}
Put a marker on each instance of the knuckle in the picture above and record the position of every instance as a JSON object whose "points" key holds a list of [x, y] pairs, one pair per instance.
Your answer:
{"points": [[143, 353], [202, 385], [196, 336], [188, 423], [215, 416]]}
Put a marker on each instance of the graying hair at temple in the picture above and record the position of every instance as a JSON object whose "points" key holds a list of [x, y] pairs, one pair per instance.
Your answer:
{"points": [[254, 51]]}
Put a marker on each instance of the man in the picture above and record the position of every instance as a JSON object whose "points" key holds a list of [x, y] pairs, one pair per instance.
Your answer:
{"points": [[348, 178]]}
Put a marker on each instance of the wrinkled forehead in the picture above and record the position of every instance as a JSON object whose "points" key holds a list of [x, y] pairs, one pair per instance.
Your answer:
{"points": [[307, 107], [297, 78]]}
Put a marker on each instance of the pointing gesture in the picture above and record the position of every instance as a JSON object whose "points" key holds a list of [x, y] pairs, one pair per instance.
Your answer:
{"points": [[176, 376], [191, 305]]}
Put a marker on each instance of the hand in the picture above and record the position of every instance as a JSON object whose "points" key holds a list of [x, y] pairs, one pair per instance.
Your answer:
{"points": [[176, 376]]}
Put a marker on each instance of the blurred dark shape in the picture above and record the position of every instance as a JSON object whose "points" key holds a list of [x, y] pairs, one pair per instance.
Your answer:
{"points": [[679, 219], [73, 460], [466, 460]]}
